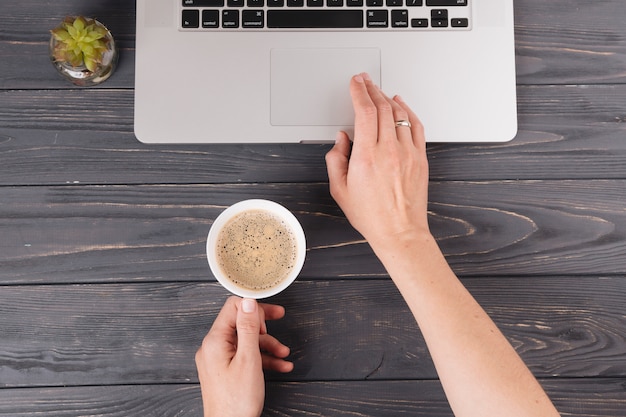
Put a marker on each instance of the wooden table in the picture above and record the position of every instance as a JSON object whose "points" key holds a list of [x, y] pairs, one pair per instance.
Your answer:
{"points": [[106, 294]]}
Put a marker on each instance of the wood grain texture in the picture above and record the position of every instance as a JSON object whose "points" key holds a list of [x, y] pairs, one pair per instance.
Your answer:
{"points": [[158, 233], [25, 37], [570, 42], [353, 330], [85, 136], [105, 292], [593, 398], [557, 42], [103, 401]]}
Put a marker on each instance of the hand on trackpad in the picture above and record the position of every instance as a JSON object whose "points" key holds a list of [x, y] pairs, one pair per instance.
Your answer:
{"points": [[309, 87]]}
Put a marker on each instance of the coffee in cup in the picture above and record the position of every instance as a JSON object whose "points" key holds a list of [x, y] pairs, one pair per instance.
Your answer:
{"points": [[256, 248]]}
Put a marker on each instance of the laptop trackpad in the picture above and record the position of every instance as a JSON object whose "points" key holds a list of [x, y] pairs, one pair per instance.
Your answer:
{"points": [[310, 87]]}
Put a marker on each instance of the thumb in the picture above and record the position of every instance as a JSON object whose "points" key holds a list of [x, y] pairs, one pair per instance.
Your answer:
{"points": [[248, 330], [337, 164]]}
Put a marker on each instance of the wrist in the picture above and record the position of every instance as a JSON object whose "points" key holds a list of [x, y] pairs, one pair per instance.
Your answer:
{"points": [[408, 247]]}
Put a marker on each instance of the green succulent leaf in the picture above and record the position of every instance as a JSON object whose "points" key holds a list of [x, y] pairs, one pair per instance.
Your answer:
{"points": [[80, 41], [91, 64], [60, 34], [98, 44], [88, 50], [72, 31], [98, 32], [75, 59], [79, 23]]}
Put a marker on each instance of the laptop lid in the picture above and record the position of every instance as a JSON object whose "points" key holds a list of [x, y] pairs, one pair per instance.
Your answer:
{"points": [[253, 84]]}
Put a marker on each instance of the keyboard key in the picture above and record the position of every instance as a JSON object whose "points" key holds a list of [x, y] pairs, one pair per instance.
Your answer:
{"points": [[315, 19], [252, 19], [459, 23], [210, 19], [319, 14], [230, 19], [203, 3], [191, 19], [400, 18], [446, 3], [377, 19]]}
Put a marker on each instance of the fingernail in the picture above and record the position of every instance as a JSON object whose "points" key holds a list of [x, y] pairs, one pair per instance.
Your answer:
{"points": [[400, 99], [358, 78], [366, 76], [338, 136], [248, 305]]}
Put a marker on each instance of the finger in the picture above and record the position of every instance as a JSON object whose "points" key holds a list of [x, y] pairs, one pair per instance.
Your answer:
{"points": [[419, 138], [273, 346], [337, 165], [221, 339], [276, 364], [384, 111], [272, 311], [365, 113], [273, 354], [248, 329], [400, 114], [261, 311], [417, 128], [226, 320], [269, 312]]}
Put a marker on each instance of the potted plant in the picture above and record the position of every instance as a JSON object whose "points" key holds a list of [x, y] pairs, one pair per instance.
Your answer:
{"points": [[83, 50]]}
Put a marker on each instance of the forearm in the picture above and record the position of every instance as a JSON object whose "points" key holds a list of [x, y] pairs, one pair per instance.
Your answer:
{"points": [[381, 184], [480, 371]]}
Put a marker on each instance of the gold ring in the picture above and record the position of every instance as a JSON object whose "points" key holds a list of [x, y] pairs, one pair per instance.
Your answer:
{"points": [[403, 123]]}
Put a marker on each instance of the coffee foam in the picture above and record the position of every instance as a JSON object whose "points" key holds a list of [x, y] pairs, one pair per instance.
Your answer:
{"points": [[256, 250]]}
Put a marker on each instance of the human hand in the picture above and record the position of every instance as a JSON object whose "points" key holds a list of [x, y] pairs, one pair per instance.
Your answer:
{"points": [[382, 183], [232, 357]]}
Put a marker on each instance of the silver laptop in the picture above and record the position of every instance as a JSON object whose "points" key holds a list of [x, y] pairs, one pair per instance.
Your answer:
{"points": [[278, 71]]}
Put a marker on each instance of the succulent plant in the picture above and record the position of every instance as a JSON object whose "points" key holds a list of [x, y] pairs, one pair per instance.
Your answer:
{"points": [[80, 41]]}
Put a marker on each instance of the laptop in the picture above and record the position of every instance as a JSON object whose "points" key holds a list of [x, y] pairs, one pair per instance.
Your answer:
{"points": [[278, 71]]}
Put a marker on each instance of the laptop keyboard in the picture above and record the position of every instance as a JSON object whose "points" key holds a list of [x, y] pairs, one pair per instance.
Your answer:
{"points": [[268, 15]]}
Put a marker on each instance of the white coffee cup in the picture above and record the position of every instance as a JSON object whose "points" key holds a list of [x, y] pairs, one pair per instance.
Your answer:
{"points": [[250, 207]]}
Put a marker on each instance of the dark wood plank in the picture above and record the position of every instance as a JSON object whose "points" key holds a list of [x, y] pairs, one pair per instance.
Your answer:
{"points": [[55, 137], [25, 64], [55, 335], [557, 42], [536, 227], [104, 401], [588, 398], [158, 233], [570, 42], [25, 36]]}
